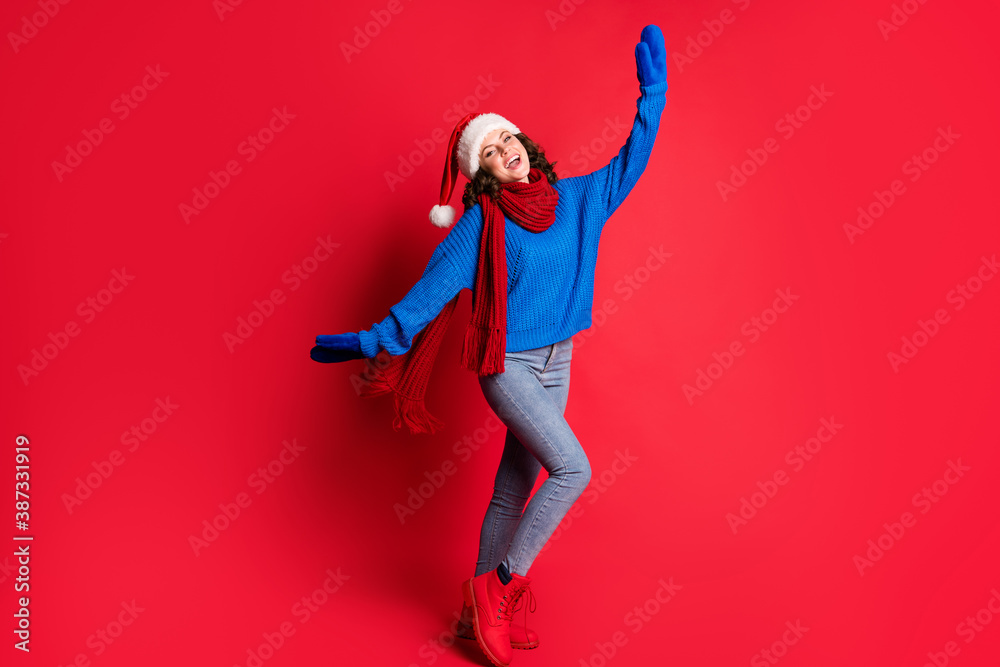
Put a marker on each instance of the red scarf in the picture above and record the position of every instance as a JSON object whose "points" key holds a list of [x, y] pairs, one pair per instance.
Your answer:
{"points": [[532, 206]]}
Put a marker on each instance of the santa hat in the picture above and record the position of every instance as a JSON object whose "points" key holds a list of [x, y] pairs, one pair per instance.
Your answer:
{"points": [[463, 154]]}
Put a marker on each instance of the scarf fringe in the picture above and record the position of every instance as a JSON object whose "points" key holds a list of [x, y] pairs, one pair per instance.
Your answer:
{"points": [[415, 415], [376, 382], [410, 411], [484, 349]]}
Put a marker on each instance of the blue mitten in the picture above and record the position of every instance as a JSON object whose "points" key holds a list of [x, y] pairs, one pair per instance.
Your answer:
{"points": [[338, 347], [651, 57]]}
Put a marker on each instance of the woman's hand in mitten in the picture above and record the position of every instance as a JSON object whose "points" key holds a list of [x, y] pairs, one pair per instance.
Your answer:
{"points": [[338, 347], [651, 57]]}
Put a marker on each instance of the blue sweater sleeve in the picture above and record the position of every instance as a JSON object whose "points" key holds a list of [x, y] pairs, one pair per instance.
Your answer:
{"points": [[437, 286], [615, 180], [451, 267]]}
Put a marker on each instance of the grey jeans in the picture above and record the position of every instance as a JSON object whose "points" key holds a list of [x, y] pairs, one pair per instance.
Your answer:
{"points": [[529, 397]]}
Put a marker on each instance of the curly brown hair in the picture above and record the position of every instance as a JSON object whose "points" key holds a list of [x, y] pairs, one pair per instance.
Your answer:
{"points": [[483, 181]]}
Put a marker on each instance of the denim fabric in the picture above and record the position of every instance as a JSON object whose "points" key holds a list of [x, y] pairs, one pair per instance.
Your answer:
{"points": [[529, 397]]}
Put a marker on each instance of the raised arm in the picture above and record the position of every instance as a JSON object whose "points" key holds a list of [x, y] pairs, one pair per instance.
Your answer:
{"points": [[618, 177]]}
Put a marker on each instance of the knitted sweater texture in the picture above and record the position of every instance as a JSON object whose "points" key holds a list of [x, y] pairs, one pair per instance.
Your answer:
{"points": [[550, 275]]}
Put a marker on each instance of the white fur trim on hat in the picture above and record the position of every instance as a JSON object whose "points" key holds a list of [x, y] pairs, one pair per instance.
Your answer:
{"points": [[442, 216], [472, 139]]}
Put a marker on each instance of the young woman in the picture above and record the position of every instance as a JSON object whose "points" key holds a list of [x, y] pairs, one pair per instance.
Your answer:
{"points": [[526, 246]]}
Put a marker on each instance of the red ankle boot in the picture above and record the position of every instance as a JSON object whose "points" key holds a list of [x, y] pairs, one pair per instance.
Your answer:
{"points": [[493, 605], [521, 636]]}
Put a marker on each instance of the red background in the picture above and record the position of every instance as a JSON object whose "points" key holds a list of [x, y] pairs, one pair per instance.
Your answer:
{"points": [[662, 518]]}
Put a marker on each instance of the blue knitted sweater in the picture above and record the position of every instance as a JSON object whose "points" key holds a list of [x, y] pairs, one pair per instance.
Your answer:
{"points": [[550, 275]]}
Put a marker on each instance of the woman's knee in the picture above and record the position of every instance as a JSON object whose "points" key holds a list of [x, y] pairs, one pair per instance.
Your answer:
{"points": [[585, 471], [506, 499], [574, 472]]}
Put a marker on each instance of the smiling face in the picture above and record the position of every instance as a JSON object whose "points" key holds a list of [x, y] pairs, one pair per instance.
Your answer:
{"points": [[503, 156]]}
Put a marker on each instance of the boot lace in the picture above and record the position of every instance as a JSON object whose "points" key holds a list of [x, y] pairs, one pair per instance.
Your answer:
{"points": [[513, 602]]}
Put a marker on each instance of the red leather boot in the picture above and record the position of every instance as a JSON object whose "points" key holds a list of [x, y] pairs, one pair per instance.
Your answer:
{"points": [[521, 636], [493, 605]]}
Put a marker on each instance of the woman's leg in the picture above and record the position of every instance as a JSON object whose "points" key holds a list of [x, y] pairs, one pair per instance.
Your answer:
{"points": [[530, 399], [514, 481], [518, 469]]}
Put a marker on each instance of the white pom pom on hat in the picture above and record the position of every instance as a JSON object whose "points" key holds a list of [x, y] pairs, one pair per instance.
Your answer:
{"points": [[463, 154], [442, 216]]}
